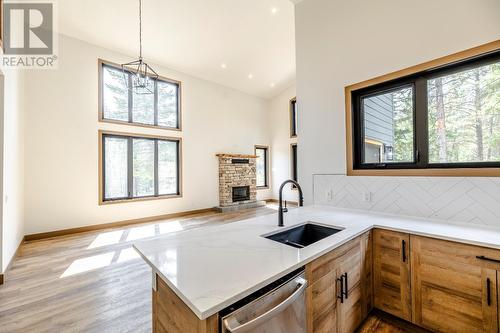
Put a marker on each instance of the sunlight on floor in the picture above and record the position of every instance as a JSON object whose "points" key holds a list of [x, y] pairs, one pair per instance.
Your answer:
{"points": [[141, 232], [172, 226], [88, 264], [127, 254], [106, 238]]}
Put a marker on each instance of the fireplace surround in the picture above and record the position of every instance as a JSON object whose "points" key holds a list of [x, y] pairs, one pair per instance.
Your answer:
{"points": [[237, 182]]}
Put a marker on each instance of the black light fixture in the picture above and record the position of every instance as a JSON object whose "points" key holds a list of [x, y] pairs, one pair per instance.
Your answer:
{"points": [[138, 75]]}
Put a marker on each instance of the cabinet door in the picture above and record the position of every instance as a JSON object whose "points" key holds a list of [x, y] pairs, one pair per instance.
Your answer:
{"points": [[498, 302], [391, 273], [350, 308], [453, 291], [322, 305], [490, 300]]}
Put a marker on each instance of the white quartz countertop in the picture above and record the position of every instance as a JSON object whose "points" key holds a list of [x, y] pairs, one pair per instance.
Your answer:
{"points": [[213, 267]]}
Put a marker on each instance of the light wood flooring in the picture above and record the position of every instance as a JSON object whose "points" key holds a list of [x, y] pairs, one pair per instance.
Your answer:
{"points": [[95, 282]]}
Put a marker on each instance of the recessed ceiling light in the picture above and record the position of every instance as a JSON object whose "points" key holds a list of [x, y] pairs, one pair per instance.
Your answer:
{"points": [[274, 10], [223, 66], [250, 76], [272, 85]]}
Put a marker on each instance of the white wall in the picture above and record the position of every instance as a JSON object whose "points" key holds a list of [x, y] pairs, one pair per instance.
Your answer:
{"points": [[62, 147], [12, 230], [279, 121], [344, 42]]}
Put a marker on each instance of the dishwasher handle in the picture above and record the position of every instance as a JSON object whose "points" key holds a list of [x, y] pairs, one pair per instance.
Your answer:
{"points": [[269, 314]]}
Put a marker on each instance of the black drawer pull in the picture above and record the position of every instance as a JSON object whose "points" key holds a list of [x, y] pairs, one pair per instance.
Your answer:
{"points": [[488, 291], [346, 287], [403, 249], [341, 296], [488, 259]]}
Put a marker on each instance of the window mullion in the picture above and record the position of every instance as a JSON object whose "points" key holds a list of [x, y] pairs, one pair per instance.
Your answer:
{"points": [[156, 185], [421, 125], [130, 170], [130, 99], [156, 103]]}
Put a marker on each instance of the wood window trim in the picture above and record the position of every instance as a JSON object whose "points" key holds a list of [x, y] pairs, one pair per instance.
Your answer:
{"points": [[290, 114], [101, 200], [268, 164], [433, 64], [100, 117]]}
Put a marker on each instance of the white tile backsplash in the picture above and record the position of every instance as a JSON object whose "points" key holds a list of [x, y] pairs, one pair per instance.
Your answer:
{"points": [[454, 199]]}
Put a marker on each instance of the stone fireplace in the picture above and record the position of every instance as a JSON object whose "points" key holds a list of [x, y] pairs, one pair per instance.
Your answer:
{"points": [[237, 182]]}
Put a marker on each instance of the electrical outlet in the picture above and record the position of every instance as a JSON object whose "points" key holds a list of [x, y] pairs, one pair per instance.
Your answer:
{"points": [[367, 196], [329, 195]]}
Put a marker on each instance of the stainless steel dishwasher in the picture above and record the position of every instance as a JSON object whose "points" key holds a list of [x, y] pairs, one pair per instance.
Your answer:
{"points": [[278, 308]]}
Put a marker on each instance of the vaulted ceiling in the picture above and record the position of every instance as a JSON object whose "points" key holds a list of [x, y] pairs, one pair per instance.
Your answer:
{"points": [[248, 45]]}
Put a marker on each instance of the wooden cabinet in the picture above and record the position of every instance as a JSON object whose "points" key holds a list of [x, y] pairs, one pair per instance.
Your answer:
{"points": [[338, 290], [171, 314], [321, 298], [391, 273], [498, 301], [453, 289]]}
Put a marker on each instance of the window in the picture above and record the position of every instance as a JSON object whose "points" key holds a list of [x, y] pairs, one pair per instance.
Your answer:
{"points": [[293, 117], [440, 118], [294, 163], [138, 167], [261, 166], [120, 104]]}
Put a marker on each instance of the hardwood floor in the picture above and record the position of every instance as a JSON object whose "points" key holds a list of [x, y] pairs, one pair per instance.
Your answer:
{"points": [[90, 282], [381, 322], [95, 282]]}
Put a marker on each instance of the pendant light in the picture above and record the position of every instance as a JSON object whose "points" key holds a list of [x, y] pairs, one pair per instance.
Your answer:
{"points": [[138, 75]]}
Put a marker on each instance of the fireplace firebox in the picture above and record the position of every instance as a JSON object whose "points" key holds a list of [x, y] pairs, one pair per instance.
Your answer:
{"points": [[241, 193]]}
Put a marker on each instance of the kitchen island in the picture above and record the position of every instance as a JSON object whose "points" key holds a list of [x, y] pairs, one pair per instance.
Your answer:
{"points": [[203, 271]]}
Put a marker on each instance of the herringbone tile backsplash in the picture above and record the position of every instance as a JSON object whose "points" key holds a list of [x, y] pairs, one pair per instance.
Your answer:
{"points": [[454, 199]]}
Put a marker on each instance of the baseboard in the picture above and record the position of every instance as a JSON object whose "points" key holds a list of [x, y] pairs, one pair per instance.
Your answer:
{"points": [[64, 232]]}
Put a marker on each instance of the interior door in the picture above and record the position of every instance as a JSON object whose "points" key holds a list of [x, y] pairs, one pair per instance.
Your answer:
{"points": [[391, 273]]}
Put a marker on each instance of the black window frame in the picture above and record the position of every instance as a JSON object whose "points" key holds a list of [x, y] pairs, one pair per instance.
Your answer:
{"points": [[294, 167], [266, 166], [293, 117], [420, 113], [130, 138], [102, 118]]}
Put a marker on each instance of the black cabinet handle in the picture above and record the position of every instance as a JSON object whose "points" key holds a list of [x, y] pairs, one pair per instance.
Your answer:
{"points": [[488, 291], [403, 249], [346, 286], [488, 259], [341, 296]]}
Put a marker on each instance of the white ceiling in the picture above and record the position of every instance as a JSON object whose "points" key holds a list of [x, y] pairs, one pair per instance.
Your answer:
{"points": [[196, 37]]}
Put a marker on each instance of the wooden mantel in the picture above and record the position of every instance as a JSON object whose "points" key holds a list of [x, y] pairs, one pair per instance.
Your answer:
{"points": [[223, 155]]}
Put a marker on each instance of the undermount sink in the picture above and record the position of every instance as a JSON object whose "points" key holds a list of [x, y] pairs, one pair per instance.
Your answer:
{"points": [[303, 235]]}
